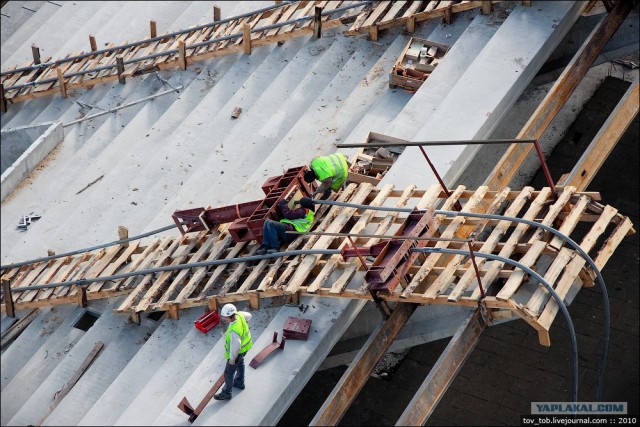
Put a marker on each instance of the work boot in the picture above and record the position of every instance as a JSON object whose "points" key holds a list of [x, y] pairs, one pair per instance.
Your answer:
{"points": [[238, 385], [262, 250], [222, 396], [272, 250]]}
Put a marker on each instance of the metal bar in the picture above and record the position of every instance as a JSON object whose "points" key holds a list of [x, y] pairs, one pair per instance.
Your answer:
{"points": [[475, 267], [355, 248], [545, 169], [562, 89], [436, 143], [443, 372], [457, 206], [380, 236]]}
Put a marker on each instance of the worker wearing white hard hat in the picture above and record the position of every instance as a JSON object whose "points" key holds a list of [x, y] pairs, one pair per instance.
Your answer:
{"points": [[237, 343]]}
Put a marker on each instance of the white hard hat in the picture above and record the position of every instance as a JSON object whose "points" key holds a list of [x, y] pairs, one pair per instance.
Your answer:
{"points": [[228, 310]]}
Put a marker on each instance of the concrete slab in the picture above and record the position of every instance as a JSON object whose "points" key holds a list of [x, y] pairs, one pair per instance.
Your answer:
{"points": [[495, 78]]}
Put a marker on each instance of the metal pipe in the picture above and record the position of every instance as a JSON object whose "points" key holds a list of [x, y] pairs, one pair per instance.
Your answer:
{"points": [[436, 143], [545, 169], [93, 116]]}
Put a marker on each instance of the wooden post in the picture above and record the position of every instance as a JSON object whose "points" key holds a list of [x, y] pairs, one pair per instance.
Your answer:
{"points": [[373, 33], [35, 50], [246, 38], [182, 55], [8, 298], [174, 313], [486, 7], [3, 100], [120, 65], [51, 252], [526, 2], [254, 300], [447, 15], [153, 30], [317, 22], [216, 13], [82, 296], [92, 43], [61, 83], [123, 233], [135, 318], [411, 24], [212, 304]]}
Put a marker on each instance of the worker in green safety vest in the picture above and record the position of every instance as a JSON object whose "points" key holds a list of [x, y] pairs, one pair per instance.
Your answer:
{"points": [[331, 171], [274, 233], [237, 343]]}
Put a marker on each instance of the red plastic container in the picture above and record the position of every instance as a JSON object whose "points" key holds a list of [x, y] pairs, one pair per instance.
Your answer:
{"points": [[207, 321]]}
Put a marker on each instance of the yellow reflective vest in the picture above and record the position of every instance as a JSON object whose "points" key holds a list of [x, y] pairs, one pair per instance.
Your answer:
{"points": [[240, 327], [302, 224], [334, 165]]}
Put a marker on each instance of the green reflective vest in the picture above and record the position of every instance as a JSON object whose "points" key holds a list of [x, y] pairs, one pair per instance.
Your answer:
{"points": [[242, 329], [301, 224], [334, 165]]}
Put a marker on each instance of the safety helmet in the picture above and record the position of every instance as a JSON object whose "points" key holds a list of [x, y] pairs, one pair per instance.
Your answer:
{"points": [[228, 310]]}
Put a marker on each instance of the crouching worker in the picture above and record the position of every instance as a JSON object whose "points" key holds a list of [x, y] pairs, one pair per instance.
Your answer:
{"points": [[237, 343], [332, 171], [274, 233]]}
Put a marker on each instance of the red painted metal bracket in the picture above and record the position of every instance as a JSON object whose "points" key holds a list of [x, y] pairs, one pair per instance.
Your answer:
{"points": [[394, 257], [186, 407], [259, 358], [248, 218]]}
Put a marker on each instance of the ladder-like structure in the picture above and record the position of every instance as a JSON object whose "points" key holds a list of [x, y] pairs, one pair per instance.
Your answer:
{"points": [[429, 278], [277, 23]]}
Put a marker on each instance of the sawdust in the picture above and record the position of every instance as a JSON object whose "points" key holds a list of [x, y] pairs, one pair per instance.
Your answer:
{"points": [[28, 180]]}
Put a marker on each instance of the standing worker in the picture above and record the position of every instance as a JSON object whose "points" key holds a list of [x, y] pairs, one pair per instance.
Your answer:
{"points": [[331, 171], [237, 343], [275, 232]]}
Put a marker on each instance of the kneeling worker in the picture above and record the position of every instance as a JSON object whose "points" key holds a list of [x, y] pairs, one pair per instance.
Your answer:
{"points": [[331, 171], [274, 232], [237, 343]]}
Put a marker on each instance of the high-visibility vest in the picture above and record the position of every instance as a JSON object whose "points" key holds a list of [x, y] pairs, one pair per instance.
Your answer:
{"points": [[302, 224], [334, 165], [241, 327]]}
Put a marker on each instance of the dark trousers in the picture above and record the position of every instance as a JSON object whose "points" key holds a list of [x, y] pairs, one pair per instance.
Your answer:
{"points": [[274, 233], [230, 371]]}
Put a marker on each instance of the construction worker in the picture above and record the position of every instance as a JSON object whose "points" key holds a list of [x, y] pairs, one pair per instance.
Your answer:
{"points": [[274, 232], [331, 171], [237, 343]]}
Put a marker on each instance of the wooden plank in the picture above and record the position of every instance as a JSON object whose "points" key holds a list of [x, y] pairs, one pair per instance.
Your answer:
{"points": [[534, 305], [157, 258], [342, 282], [431, 260], [359, 22], [286, 14], [570, 221], [518, 275], [612, 243], [178, 277], [444, 371], [415, 6], [393, 11], [553, 212], [29, 280], [60, 395], [513, 240], [322, 277], [138, 262], [253, 276], [360, 369], [382, 7], [511, 162], [445, 279], [574, 267], [199, 273], [323, 242], [17, 327], [114, 266], [226, 242], [235, 276], [64, 273]]}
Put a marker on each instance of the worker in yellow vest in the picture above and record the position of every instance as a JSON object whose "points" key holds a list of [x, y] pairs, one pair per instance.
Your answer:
{"points": [[274, 233], [331, 171], [237, 343]]}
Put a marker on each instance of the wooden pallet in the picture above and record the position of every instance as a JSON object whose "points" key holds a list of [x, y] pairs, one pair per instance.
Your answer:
{"points": [[214, 34], [382, 15], [434, 278]]}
